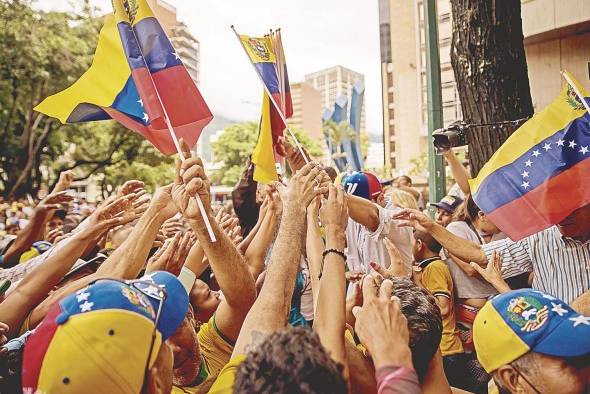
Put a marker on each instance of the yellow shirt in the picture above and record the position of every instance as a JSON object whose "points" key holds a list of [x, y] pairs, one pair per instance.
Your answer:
{"points": [[215, 350], [436, 278], [225, 381]]}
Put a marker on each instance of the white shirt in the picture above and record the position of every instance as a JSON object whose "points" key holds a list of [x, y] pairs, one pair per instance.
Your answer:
{"points": [[364, 246]]}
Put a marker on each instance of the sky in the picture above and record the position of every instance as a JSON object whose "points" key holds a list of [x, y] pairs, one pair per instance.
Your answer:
{"points": [[317, 34]]}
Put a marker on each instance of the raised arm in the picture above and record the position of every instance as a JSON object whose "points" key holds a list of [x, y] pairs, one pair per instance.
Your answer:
{"points": [[330, 319], [271, 308], [455, 245], [256, 253], [459, 172], [226, 262], [314, 246], [363, 212]]}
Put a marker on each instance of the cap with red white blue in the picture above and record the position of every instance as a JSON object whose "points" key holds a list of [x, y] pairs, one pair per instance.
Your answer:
{"points": [[363, 184]]}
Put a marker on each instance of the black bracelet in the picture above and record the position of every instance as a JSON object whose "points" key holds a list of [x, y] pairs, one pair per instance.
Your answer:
{"points": [[327, 252]]}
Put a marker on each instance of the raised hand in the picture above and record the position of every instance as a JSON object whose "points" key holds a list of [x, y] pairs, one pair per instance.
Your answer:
{"points": [[303, 187], [130, 187], [54, 201], [191, 181], [397, 268], [172, 255], [65, 180], [334, 210], [111, 215], [54, 235], [414, 218], [163, 203], [382, 327], [171, 227], [493, 273]]}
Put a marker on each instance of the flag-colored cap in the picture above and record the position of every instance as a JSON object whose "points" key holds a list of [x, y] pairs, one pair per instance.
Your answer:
{"points": [[362, 184], [515, 323], [98, 338], [448, 203]]}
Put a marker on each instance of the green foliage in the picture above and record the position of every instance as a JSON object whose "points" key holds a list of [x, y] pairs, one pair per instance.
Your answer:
{"points": [[419, 165], [236, 144], [42, 53]]}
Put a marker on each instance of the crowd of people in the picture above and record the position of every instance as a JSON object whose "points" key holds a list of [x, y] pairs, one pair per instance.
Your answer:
{"points": [[320, 283]]}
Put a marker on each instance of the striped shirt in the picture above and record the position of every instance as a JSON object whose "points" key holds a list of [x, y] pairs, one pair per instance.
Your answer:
{"points": [[561, 265]]}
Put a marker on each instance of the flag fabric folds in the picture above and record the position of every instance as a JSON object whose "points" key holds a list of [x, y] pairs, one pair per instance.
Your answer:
{"points": [[265, 170], [136, 78], [539, 176]]}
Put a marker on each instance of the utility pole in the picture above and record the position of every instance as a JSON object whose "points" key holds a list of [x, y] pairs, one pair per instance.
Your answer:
{"points": [[436, 165]]}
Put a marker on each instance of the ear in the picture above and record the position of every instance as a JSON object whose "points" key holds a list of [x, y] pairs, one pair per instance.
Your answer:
{"points": [[481, 216], [510, 379], [159, 376]]}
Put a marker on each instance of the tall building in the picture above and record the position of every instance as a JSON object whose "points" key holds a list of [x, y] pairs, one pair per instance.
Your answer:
{"points": [[335, 82], [186, 45], [307, 109], [556, 36]]}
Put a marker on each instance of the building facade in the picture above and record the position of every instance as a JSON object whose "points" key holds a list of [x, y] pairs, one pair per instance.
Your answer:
{"points": [[557, 36], [186, 45], [335, 82], [307, 109]]}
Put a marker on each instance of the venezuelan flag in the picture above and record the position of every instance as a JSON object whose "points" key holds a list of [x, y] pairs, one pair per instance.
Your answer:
{"points": [[261, 51], [540, 174], [263, 157], [136, 78]]}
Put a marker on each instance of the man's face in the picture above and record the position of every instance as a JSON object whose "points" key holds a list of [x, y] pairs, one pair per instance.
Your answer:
{"points": [[204, 300], [556, 375], [577, 225], [443, 217], [162, 371], [54, 223], [185, 347]]}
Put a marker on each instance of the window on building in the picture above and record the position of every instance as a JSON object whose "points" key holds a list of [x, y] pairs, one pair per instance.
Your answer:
{"points": [[390, 97], [391, 113]]}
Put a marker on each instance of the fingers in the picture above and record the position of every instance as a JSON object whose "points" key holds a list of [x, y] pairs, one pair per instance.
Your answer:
{"points": [[393, 251], [369, 288], [477, 268], [379, 269], [306, 169], [191, 169], [185, 149], [386, 289], [177, 177]]}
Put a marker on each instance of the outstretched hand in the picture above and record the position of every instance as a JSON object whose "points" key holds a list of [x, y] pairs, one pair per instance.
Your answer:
{"points": [[382, 327], [493, 272], [414, 218], [172, 255], [303, 187], [396, 268], [334, 210], [54, 201]]}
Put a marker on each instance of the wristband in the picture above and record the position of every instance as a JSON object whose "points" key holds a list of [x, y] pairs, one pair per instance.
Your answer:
{"points": [[327, 252], [187, 278]]}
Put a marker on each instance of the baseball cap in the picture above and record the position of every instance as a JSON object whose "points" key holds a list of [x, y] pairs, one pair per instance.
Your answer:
{"points": [[448, 203], [80, 263], [100, 336], [362, 184], [515, 323]]}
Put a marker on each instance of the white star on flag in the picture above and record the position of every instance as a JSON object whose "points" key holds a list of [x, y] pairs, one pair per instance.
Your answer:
{"points": [[525, 185], [536, 153], [145, 117], [560, 142], [572, 143], [528, 163], [548, 297], [176, 55], [83, 296], [557, 308], [547, 147], [584, 150], [585, 320], [140, 101], [525, 174], [86, 307]]}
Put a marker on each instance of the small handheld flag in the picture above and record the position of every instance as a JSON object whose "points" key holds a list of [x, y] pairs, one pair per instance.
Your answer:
{"points": [[540, 174]]}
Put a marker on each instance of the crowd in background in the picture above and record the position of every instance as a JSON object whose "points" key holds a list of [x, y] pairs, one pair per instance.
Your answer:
{"points": [[320, 283]]}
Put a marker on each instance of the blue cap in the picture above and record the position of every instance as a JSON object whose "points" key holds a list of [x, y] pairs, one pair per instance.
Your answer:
{"points": [[363, 184]]}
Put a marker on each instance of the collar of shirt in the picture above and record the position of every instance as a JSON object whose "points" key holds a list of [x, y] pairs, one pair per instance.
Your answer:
{"points": [[424, 263]]}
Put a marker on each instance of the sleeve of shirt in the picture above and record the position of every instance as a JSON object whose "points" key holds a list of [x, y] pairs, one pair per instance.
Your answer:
{"points": [[400, 236], [516, 258], [437, 279], [394, 380]]}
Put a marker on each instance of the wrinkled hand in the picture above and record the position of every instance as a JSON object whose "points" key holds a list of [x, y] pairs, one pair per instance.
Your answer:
{"points": [[414, 218], [53, 235], [171, 227], [130, 187], [191, 181], [163, 203], [355, 298], [172, 256], [334, 210], [65, 179], [292, 154], [54, 201], [115, 213], [493, 272], [303, 187], [396, 268], [382, 327]]}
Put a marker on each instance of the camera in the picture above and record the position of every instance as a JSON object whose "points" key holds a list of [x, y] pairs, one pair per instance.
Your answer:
{"points": [[452, 136]]}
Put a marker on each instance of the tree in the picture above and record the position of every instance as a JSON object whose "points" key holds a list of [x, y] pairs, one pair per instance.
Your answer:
{"points": [[487, 54], [236, 144]]}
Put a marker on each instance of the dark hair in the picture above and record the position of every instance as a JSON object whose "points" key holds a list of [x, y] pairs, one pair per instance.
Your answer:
{"points": [[432, 244], [468, 211], [424, 322], [289, 361]]}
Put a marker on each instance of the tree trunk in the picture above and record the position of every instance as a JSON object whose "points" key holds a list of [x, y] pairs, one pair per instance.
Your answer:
{"points": [[489, 63]]}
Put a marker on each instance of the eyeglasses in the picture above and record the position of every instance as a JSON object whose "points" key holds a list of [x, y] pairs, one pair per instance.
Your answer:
{"points": [[525, 379], [151, 290]]}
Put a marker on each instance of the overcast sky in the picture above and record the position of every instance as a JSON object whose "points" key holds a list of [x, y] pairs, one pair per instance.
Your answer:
{"points": [[316, 34]]}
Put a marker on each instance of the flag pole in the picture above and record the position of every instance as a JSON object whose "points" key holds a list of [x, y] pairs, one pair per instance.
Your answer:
{"points": [[575, 88], [273, 100], [175, 139]]}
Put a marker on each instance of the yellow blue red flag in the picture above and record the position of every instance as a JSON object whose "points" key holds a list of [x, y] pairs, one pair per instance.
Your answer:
{"points": [[539, 176], [263, 156], [136, 78]]}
